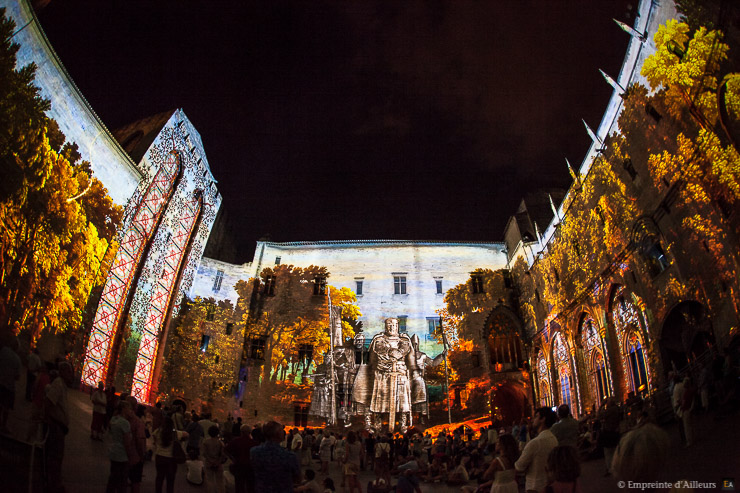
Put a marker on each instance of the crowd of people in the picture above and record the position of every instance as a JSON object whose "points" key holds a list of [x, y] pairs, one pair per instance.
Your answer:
{"points": [[542, 454]]}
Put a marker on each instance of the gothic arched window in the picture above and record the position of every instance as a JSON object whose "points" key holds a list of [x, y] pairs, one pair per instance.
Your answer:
{"points": [[629, 330], [543, 376], [562, 365], [593, 352]]}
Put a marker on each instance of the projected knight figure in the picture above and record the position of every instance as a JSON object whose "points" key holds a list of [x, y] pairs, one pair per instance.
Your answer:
{"points": [[386, 385]]}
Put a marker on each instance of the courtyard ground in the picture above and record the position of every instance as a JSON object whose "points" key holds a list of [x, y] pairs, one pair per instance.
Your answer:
{"points": [[714, 457]]}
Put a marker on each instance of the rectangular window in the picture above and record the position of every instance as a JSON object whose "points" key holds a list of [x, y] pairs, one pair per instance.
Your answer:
{"points": [[399, 284], [402, 324], [277, 260], [508, 284], [229, 328], [358, 289], [204, 341], [438, 283], [319, 286], [269, 289], [477, 283], [217, 282], [433, 324], [210, 312], [257, 348]]}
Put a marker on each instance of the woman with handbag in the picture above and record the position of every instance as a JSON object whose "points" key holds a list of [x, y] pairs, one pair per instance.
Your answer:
{"points": [[168, 453]]}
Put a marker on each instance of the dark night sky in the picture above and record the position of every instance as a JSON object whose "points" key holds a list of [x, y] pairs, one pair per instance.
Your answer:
{"points": [[358, 120]]}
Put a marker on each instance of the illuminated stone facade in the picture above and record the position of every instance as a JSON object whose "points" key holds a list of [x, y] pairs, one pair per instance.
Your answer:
{"points": [[611, 313], [402, 279], [157, 170]]}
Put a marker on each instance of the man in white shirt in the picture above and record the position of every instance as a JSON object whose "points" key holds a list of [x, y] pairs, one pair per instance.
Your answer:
{"points": [[533, 460]]}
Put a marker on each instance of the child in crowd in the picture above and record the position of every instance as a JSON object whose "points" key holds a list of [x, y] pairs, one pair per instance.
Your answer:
{"points": [[195, 469]]}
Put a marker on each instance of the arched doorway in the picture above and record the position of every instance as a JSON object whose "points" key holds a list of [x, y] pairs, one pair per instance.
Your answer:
{"points": [[509, 402], [687, 334]]}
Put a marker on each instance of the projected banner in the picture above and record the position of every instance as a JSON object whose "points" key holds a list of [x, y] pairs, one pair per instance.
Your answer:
{"points": [[112, 307], [161, 298]]}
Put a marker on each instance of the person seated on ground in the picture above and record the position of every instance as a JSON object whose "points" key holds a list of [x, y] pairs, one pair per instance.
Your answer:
{"points": [[476, 467], [328, 485], [563, 469], [309, 485], [437, 470], [408, 482], [459, 476], [195, 468], [412, 464]]}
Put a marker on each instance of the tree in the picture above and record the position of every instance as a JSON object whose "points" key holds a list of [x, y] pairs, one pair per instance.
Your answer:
{"points": [[285, 310], [203, 352], [57, 221]]}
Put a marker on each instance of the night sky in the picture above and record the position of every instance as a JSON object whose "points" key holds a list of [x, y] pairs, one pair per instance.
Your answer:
{"points": [[357, 120]]}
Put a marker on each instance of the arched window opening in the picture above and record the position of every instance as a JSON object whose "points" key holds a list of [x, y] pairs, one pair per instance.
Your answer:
{"points": [[593, 352], [630, 332], [637, 368], [544, 379], [562, 366]]}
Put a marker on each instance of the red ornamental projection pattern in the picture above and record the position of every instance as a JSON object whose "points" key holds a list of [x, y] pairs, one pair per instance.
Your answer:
{"points": [[161, 298], [118, 285]]}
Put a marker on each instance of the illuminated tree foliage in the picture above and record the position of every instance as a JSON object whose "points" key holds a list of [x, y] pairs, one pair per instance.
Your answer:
{"points": [[467, 306], [286, 310], [56, 220], [203, 352], [671, 159]]}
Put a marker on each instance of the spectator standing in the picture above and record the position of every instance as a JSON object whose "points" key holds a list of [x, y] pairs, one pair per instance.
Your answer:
{"points": [[195, 436], [118, 450], [705, 380], [533, 460], [325, 452], [33, 370], [609, 432], [275, 469], [641, 454], [164, 461], [563, 470], [56, 408], [213, 459], [687, 407], [241, 467], [111, 401], [566, 429], [353, 453], [98, 415], [157, 416], [296, 444], [138, 443], [10, 372]]}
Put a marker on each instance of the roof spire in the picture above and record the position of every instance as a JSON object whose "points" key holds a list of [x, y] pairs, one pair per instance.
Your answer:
{"points": [[595, 138], [612, 82]]}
